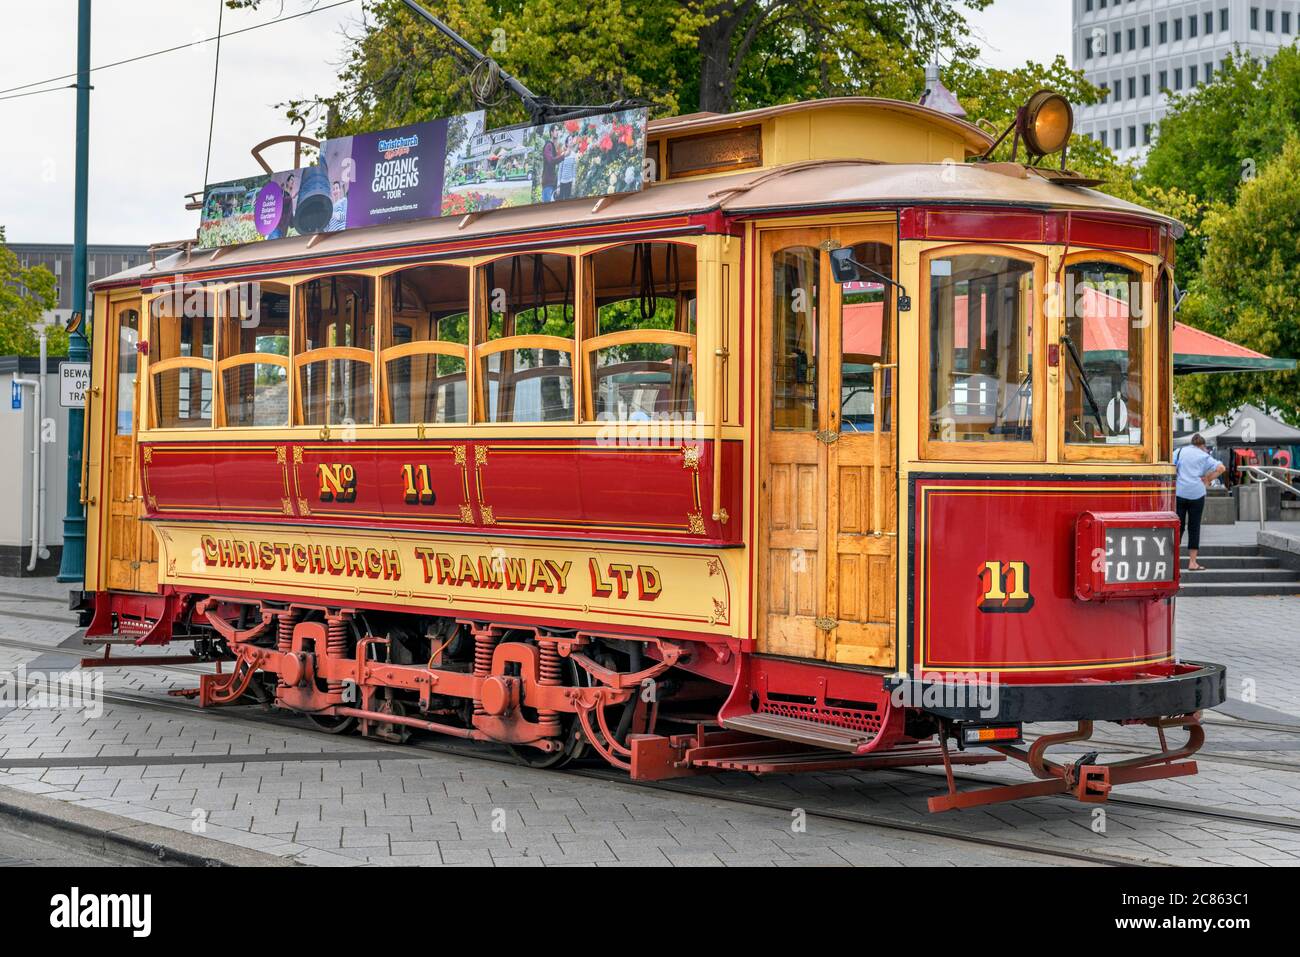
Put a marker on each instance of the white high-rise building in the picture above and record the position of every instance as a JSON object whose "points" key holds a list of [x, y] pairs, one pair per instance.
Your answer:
{"points": [[1139, 49]]}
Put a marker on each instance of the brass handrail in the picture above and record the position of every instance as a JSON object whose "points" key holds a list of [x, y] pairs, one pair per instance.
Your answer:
{"points": [[878, 387], [85, 446], [719, 407]]}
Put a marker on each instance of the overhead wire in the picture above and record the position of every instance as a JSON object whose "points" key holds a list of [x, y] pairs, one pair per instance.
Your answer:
{"points": [[172, 49]]}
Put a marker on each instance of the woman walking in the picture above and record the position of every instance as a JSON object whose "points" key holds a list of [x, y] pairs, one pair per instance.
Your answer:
{"points": [[1196, 469]]}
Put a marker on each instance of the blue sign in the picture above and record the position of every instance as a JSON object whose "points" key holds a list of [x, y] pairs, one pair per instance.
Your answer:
{"points": [[16, 396]]}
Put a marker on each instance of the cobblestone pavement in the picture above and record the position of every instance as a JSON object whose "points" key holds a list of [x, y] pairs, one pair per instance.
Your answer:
{"points": [[331, 801]]}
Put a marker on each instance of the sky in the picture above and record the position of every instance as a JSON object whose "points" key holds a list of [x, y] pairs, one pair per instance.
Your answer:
{"points": [[150, 119]]}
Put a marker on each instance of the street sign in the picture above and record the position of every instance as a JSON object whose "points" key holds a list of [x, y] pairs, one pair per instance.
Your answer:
{"points": [[16, 396], [74, 380]]}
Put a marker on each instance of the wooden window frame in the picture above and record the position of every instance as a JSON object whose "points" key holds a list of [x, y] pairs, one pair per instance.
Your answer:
{"points": [[589, 342], [1143, 453], [1165, 357], [991, 450], [299, 359], [423, 347], [156, 368], [219, 420], [481, 346]]}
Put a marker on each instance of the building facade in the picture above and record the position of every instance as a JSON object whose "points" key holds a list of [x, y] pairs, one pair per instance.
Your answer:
{"points": [[57, 258], [1143, 50]]}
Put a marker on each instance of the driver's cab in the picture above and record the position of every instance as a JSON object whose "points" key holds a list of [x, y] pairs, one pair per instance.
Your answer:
{"points": [[884, 360]]}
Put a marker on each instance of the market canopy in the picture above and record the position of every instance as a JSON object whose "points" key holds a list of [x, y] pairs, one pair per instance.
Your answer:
{"points": [[1196, 350], [1250, 426]]}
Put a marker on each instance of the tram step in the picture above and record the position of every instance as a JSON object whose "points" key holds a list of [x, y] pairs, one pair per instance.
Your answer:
{"points": [[1238, 589], [799, 729], [1217, 573], [1236, 561], [1207, 550]]}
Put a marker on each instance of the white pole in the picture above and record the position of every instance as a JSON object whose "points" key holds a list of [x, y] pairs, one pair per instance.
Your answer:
{"points": [[1260, 479], [35, 385], [43, 394]]}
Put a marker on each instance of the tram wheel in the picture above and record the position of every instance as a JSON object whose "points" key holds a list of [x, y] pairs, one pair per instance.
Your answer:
{"points": [[572, 747], [333, 724]]}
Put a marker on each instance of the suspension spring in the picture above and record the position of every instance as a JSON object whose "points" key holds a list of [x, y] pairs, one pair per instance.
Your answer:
{"points": [[284, 626], [549, 673], [336, 646], [485, 642]]}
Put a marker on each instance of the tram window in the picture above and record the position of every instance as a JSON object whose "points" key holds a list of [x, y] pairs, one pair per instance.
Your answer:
{"points": [[180, 360], [795, 281], [426, 345], [640, 354], [981, 360], [1164, 316], [526, 354], [334, 355], [253, 356], [128, 339], [1103, 354], [865, 319]]}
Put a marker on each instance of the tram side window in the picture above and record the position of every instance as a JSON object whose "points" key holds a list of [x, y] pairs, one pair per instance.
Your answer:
{"points": [[1164, 316], [640, 355], [795, 281], [1104, 354], [426, 345], [180, 360], [253, 356], [981, 354], [333, 354], [128, 340], [526, 352], [866, 315]]}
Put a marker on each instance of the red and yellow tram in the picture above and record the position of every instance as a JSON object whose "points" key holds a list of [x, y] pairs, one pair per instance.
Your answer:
{"points": [[824, 450]]}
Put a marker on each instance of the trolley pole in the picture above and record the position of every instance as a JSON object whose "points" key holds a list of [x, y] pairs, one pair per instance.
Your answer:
{"points": [[72, 566]]}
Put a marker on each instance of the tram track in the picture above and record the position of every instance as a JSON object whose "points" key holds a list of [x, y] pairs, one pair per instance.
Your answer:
{"points": [[683, 786], [621, 781]]}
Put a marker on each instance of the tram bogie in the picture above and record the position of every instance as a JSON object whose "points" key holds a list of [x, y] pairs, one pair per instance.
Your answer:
{"points": [[825, 462]]}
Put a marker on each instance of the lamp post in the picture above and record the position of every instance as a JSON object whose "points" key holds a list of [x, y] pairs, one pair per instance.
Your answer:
{"points": [[72, 566]]}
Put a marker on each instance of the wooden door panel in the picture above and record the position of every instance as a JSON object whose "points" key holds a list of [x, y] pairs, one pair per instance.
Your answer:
{"points": [[132, 549], [793, 552], [861, 585]]}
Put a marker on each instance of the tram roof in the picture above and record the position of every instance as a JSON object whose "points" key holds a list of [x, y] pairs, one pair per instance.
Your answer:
{"points": [[794, 188]]}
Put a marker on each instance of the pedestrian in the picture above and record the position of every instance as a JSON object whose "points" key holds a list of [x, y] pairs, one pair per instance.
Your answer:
{"points": [[1196, 469]]}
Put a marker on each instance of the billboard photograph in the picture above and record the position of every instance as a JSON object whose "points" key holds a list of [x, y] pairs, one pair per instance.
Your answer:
{"points": [[569, 159]]}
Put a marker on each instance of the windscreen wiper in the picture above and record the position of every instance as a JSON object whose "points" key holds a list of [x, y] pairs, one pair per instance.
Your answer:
{"points": [[1083, 381]]}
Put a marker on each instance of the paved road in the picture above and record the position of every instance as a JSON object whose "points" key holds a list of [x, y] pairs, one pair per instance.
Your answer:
{"points": [[334, 801]]}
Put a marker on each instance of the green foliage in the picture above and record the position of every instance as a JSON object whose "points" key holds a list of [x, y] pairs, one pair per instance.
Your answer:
{"points": [[1217, 136], [25, 295], [991, 96], [678, 55], [1248, 290]]}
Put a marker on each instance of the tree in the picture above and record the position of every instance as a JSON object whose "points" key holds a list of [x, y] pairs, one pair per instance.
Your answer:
{"points": [[1249, 290], [1217, 136], [26, 293], [679, 55]]}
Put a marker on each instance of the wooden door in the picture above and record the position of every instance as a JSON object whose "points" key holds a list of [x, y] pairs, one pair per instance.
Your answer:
{"points": [[794, 465], [861, 531], [130, 543], [827, 579]]}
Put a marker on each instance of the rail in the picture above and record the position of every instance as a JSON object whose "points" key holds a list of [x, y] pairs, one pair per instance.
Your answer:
{"points": [[1262, 474]]}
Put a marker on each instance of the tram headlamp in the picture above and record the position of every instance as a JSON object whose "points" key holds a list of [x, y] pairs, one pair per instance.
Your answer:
{"points": [[1045, 123]]}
